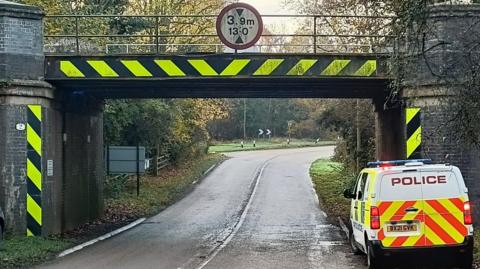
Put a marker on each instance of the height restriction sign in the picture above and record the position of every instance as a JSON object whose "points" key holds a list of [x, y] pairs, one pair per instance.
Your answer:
{"points": [[239, 26]]}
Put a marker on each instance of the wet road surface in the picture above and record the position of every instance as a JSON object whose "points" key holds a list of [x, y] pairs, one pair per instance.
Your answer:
{"points": [[256, 210]]}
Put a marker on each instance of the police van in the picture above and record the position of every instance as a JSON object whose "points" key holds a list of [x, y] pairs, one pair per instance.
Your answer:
{"points": [[404, 208]]}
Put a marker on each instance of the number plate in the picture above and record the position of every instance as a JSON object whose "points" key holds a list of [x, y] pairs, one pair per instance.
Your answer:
{"points": [[402, 228]]}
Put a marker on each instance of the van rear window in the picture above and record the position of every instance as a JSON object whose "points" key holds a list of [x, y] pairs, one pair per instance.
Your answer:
{"points": [[400, 187], [441, 184], [419, 185]]}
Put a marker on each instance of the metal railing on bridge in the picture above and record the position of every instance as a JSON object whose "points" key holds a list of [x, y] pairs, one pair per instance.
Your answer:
{"points": [[183, 34]]}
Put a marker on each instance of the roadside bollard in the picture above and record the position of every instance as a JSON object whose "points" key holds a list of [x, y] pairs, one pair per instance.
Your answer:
{"points": [[254, 143], [241, 144]]}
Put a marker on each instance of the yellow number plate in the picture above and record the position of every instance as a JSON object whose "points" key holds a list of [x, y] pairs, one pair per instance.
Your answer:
{"points": [[401, 228]]}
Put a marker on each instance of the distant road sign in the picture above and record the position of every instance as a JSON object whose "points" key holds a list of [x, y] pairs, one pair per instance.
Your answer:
{"points": [[260, 132], [269, 132], [125, 160], [239, 26]]}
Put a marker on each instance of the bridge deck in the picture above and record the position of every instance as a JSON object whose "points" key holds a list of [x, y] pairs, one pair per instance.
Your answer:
{"points": [[221, 75]]}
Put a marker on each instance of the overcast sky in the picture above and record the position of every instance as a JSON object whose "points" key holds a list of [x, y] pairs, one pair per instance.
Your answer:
{"points": [[269, 7], [274, 7]]}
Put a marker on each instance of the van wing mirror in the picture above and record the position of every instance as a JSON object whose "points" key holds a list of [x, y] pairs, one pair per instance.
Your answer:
{"points": [[360, 195], [348, 194]]}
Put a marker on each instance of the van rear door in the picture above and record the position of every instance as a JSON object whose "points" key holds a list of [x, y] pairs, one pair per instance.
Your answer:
{"points": [[401, 210], [443, 208]]}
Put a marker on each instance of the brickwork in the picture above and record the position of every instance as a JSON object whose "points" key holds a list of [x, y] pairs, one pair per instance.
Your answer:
{"points": [[389, 126], [84, 163], [12, 166], [440, 147], [430, 84], [52, 197], [21, 42], [73, 193]]}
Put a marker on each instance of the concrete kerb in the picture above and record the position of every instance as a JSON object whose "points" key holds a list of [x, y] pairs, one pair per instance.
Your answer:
{"points": [[125, 228], [208, 171], [101, 238]]}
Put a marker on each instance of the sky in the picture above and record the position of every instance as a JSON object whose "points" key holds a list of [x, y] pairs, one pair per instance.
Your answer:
{"points": [[269, 7], [275, 7]]}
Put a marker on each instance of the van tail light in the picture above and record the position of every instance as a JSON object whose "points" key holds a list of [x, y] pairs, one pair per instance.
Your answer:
{"points": [[467, 213], [374, 218]]}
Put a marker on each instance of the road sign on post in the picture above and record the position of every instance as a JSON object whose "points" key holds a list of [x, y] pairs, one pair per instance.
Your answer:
{"points": [[125, 160], [260, 132], [269, 133], [239, 26]]}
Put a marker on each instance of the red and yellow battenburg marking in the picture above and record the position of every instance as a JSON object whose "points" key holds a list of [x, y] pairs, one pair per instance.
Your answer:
{"points": [[441, 222]]}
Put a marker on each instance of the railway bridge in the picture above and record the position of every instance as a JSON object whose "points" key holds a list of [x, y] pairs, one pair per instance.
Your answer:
{"points": [[52, 96]]}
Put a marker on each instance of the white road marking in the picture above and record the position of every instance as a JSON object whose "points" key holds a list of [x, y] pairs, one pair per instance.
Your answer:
{"points": [[101, 238], [240, 222]]}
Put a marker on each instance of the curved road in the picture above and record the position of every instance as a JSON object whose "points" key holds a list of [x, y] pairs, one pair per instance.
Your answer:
{"points": [[256, 210]]}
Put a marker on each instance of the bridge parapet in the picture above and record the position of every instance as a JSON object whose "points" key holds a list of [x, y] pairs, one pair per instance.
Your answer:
{"points": [[185, 34]]}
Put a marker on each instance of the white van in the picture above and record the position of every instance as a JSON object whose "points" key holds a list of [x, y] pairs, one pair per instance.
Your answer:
{"points": [[411, 207]]}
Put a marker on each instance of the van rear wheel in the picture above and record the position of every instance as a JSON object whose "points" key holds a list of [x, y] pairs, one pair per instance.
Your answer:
{"points": [[353, 244], [372, 261]]}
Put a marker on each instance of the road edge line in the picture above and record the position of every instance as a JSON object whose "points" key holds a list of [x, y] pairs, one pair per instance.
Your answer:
{"points": [[241, 220], [210, 169], [207, 172], [101, 238]]}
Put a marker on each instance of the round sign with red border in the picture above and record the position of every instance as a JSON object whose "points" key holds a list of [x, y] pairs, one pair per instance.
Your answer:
{"points": [[239, 26]]}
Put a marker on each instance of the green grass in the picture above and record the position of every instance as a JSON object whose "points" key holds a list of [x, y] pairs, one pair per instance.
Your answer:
{"points": [[330, 180], [18, 252], [265, 144], [157, 193]]}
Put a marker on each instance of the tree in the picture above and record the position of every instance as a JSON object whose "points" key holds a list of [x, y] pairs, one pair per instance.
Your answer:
{"points": [[179, 126], [273, 114], [344, 122], [182, 31], [346, 34]]}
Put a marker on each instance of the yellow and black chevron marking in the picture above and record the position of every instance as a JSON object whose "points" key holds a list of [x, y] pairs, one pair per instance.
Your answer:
{"points": [[414, 133], [34, 170], [154, 67]]}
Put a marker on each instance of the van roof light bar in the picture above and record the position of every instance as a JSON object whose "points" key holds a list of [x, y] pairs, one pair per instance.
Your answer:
{"points": [[397, 162]]}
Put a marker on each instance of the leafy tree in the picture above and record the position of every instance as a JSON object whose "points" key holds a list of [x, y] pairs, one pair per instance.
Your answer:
{"points": [[273, 114], [347, 34], [178, 126], [344, 122]]}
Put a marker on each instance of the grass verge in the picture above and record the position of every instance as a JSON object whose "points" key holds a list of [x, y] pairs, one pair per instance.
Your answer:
{"points": [[330, 180], [20, 252], [156, 193], [265, 144]]}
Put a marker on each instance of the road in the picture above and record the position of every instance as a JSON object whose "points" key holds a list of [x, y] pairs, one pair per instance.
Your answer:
{"points": [[256, 210]]}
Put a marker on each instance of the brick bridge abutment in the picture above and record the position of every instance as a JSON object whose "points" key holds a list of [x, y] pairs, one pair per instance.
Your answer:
{"points": [[436, 75], [51, 161]]}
